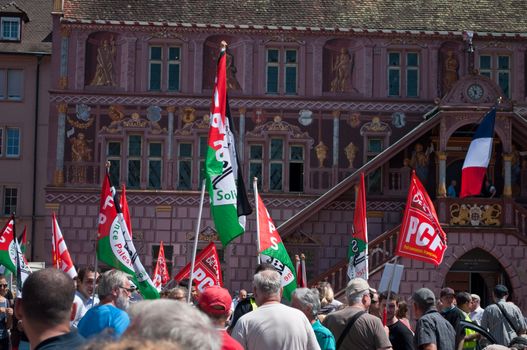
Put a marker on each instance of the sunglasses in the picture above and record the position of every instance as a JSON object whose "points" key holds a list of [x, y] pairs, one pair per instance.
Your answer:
{"points": [[129, 290], [4, 285]]}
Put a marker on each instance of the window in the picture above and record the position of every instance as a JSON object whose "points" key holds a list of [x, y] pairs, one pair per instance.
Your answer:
{"points": [[498, 69], [255, 165], [10, 200], [281, 71], [10, 28], [154, 164], [10, 142], [276, 165], [134, 161], [185, 166], [164, 59], [403, 74], [11, 84], [296, 168], [374, 147], [113, 155]]}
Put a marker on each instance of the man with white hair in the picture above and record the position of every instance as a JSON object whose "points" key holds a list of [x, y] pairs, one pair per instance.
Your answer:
{"points": [[308, 301], [353, 327], [109, 317], [476, 311], [174, 321], [273, 325]]}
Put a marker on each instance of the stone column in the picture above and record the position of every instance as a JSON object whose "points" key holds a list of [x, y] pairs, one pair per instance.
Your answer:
{"points": [[507, 188], [58, 177], [441, 188], [242, 111], [170, 110], [64, 45], [336, 120]]}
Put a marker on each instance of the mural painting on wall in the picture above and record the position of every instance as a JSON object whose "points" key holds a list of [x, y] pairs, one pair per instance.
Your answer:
{"points": [[475, 214], [420, 161], [450, 70], [210, 62], [351, 153], [81, 153], [354, 120], [342, 68], [321, 151], [101, 54]]}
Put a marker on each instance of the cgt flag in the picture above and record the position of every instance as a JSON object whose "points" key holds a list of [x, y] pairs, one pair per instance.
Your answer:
{"points": [[115, 246], [160, 272], [478, 156], [61, 255], [358, 248], [207, 271], [272, 249], [228, 199], [421, 236]]}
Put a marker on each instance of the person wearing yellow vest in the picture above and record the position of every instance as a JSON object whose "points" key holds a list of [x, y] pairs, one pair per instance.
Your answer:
{"points": [[470, 340]]}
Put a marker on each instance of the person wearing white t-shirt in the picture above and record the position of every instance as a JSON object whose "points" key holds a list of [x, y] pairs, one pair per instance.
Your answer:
{"points": [[85, 297]]}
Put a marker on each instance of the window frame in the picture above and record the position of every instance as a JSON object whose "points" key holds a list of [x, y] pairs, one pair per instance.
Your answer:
{"points": [[5, 84], [494, 71], [403, 70], [10, 19], [165, 63], [3, 191], [282, 66]]}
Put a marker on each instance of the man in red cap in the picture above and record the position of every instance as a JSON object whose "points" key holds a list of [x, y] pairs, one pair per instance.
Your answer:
{"points": [[216, 302]]}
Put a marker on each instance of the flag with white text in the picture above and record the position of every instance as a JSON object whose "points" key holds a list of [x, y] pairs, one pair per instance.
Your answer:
{"points": [[358, 247], [160, 276], [61, 255], [207, 270]]}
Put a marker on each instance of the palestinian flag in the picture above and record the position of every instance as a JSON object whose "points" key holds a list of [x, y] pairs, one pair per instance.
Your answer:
{"points": [[273, 251], [358, 248], [115, 246], [8, 246], [228, 199]]}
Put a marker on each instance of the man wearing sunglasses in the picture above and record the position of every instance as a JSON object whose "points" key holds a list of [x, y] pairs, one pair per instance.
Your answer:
{"points": [[109, 318]]}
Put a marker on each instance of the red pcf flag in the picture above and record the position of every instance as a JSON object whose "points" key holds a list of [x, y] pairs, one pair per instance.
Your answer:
{"points": [[421, 236], [160, 272], [207, 271]]}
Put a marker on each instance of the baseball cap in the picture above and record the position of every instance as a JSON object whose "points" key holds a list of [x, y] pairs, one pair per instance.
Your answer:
{"points": [[215, 300], [447, 291], [424, 296], [358, 285]]}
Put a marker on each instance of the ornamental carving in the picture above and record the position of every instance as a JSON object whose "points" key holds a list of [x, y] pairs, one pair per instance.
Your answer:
{"points": [[208, 234], [190, 128], [279, 125], [376, 125], [475, 214], [134, 122], [84, 120]]}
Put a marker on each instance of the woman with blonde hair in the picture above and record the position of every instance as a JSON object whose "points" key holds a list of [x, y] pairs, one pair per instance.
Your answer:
{"points": [[328, 303]]}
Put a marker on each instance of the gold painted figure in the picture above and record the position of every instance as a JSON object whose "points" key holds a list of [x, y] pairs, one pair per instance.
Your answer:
{"points": [[450, 77], [341, 68], [80, 154], [104, 70]]}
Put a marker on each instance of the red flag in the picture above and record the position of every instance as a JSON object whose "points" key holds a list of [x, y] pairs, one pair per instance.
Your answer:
{"points": [[160, 272], [60, 253], [207, 271], [126, 211], [421, 236], [358, 247]]}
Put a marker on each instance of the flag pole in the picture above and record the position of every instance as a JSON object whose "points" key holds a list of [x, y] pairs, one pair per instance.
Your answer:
{"points": [[390, 283], [255, 188], [196, 236]]}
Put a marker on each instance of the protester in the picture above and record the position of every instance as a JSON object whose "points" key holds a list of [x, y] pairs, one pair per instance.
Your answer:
{"points": [[432, 330], [352, 326], [402, 314], [132, 344], [249, 304], [6, 314], [328, 303], [273, 325], [307, 301], [216, 303], [503, 319], [400, 336], [468, 337], [375, 306], [242, 295], [45, 310], [85, 297], [451, 191], [109, 319], [450, 312], [476, 311], [174, 321], [178, 293]]}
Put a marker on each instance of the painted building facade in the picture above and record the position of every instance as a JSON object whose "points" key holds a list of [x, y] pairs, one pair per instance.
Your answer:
{"points": [[25, 70], [313, 100]]}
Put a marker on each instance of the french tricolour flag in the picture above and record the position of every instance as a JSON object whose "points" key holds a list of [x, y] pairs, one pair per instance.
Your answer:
{"points": [[478, 156]]}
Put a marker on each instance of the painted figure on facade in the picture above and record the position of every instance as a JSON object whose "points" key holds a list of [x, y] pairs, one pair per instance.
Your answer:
{"points": [[420, 160], [341, 68], [104, 71], [450, 71], [322, 153], [351, 152], [80, 154], [232, 82]]}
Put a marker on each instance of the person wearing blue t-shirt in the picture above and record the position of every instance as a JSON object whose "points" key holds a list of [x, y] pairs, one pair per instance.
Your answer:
{"points": [[108, 318]]}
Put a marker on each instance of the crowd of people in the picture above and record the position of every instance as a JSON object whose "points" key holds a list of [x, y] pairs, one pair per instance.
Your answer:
{"points": [[97, 313]]}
